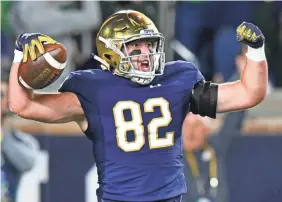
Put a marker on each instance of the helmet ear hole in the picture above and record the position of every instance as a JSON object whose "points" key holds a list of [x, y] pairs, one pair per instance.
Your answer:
{"points": [[109, 57]]}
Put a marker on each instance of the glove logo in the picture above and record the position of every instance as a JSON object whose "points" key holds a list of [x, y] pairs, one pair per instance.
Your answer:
{"points": [[27, 42], [250, 35], [30, 48]]}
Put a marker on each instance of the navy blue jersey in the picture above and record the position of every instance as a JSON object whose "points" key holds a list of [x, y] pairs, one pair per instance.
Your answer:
{"points": [[136, 130]]}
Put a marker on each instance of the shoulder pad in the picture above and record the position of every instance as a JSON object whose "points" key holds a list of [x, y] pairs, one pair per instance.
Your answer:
{"points": [[78, 79], [186, 71]]}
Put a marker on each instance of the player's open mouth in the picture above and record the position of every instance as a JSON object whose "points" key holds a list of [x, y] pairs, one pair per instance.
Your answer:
{"points": [[145, 66]]}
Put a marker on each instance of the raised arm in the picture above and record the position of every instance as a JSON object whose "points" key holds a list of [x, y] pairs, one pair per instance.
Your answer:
{"points": [[208, 98], [251, 89], [48, 108], [247, 92]]}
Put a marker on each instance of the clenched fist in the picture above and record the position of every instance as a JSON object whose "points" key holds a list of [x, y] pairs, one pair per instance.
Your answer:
{"points": [[250, 35], [29, 42]]}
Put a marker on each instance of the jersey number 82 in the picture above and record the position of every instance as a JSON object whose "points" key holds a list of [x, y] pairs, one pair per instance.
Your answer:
{"points": [[136, 124]]}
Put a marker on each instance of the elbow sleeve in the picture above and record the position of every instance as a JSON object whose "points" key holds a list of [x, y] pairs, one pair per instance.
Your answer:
{"points": [[203, 100]]}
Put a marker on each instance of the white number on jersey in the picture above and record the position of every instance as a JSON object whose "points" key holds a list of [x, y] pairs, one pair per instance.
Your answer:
{"points": [[136, 124]]}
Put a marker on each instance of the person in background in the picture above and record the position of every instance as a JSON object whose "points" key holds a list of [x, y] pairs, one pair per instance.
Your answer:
{"points": [[18, 151]]}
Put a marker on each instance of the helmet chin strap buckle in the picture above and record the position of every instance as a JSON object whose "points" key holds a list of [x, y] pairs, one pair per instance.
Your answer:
{"points": [[108, 44], [104, 65]]}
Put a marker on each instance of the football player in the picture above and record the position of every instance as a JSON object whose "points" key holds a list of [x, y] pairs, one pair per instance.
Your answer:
{"points": [[132, 109]]}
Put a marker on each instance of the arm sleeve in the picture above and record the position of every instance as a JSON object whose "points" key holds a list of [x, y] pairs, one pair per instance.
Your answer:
{"points": [[203, 100]]}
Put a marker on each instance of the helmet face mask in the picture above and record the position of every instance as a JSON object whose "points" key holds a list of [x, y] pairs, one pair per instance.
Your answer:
{"points": [[155, 60], [125, 28]]}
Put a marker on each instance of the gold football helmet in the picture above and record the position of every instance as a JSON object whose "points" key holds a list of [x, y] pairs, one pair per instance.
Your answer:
{"points": [[118, 30]]}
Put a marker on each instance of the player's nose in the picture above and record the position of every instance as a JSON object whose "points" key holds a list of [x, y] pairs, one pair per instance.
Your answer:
{"points": [[144, 48]]}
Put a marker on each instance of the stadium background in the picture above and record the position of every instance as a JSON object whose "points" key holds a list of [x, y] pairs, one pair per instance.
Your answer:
{"points": [[248, 154]]}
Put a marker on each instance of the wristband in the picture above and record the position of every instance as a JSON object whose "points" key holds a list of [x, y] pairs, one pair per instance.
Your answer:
{"points": [[18, 56], [256, 54]]}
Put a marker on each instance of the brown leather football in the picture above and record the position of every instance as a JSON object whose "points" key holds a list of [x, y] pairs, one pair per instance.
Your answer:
{"points": [[46, 69]]}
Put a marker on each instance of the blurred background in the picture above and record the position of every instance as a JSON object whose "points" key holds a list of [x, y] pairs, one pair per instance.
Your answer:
{"points": [[241, 160]]}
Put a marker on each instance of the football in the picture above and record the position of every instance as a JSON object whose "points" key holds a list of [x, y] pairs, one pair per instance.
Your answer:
{"points": [[45, 70]]}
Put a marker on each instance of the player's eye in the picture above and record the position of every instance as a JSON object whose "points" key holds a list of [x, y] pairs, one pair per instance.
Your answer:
{"points": [[152, 45], [135, 45], [149, 44]]}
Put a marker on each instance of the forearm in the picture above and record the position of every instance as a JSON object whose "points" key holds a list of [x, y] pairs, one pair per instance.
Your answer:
{"points": [[45, 107], [19, 97], [255, 80], [247, 92], [22, 101]]}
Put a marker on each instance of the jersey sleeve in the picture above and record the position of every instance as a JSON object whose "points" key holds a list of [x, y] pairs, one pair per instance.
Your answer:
{"points": [[69, 83], [198, 75], [77, 83], [203, 95], [192, 73]]}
